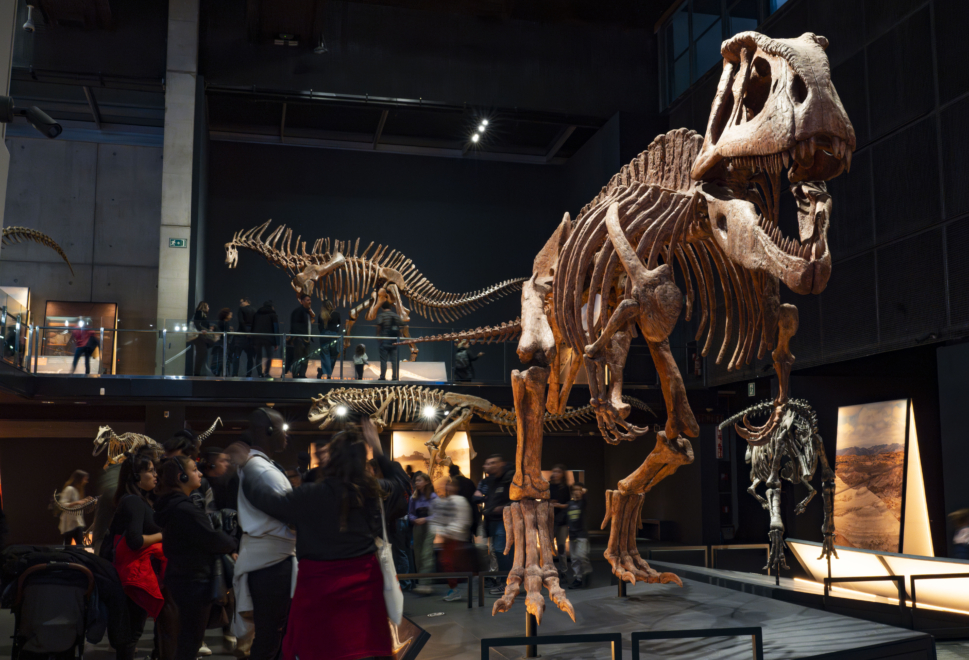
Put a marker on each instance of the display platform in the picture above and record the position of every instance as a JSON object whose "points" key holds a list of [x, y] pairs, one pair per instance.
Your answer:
{"points": [[790, 631]]}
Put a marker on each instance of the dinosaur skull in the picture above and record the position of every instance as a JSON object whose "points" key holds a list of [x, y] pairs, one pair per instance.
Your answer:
{"points": [[231, 255], [775, 107], [320, 412], [101, 440]]}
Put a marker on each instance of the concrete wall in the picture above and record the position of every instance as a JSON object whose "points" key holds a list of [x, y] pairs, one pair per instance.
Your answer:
{"points": [[102, 204]]}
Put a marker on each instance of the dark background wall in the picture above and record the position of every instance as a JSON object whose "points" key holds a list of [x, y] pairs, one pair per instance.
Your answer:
{"points": [[953, 365], [900, 226]]}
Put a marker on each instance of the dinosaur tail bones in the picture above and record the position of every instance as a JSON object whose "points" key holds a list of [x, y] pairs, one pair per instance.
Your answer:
{"points": [[21, 234]]}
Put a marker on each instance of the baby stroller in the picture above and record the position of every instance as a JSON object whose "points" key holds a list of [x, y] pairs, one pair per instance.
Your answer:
{"points": [[51, 611]]}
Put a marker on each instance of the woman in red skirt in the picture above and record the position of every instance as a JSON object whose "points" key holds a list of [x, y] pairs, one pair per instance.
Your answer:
{"points": [[338, 610]]}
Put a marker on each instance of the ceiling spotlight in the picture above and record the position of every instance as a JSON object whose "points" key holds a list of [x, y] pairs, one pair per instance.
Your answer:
{"points": [[481, 128], [475, 137], [484, 122], [430, 411], [80, 324], [29, 25], [341, 411], [285, 427]]}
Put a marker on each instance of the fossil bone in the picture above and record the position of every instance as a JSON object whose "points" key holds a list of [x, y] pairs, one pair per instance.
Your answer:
{"points": [[21, 234], [707, 205]]}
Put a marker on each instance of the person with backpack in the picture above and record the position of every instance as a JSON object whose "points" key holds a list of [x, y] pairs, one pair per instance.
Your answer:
{"points": [[463, 362], [388, 325]]}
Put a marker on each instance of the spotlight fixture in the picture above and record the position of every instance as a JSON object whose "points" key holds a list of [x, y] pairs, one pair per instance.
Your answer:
{"points": [[341, 411], [80, 324], [484, 122], [475, 137], [430, 411], [481, 129], [29, 25], [285, 427]]}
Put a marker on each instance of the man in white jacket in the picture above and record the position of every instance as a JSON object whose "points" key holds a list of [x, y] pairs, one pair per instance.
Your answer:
{"points": [[265, 572], [451, 523]]}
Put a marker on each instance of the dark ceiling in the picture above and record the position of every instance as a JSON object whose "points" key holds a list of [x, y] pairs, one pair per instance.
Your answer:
{"points": [[409, 76]]}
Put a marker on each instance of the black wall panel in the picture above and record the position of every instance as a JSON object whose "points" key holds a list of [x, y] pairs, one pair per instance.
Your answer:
{"points": [[849, 80], [957, 261], [806, 345], [952, 47], [852, 216], [848, 307], [842, 23], [911, 301], [906, 173], [881, 15], [900, 74], [955, 166]]}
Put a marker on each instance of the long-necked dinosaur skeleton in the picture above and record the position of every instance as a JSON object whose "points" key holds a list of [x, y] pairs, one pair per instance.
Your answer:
{"points": [[792, 453], [121, 446], [487, 334], [363, 280], [400, 403], [21, 234], [708, 205]]}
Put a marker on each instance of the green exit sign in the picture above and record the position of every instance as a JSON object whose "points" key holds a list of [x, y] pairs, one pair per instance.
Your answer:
{"points": [[177, 242]]}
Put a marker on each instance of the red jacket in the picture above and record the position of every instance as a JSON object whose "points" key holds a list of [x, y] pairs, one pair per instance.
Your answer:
{"points": [[138, 576]]}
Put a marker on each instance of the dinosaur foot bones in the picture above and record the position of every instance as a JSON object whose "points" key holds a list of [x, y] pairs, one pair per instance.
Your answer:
{"points": [[624, 512], [530, 521]]}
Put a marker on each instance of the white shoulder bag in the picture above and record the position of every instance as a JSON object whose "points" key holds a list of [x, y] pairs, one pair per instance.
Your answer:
{"points": [[393, 597]]}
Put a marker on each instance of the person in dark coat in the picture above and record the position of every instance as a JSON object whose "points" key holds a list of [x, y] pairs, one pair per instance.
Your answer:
{"points": [[265, 323], [192, 548], [388, 325], [221, 327], [301, 323], [203, 341], [240, 343], [464, 362], [329, 326], [497, 498]]}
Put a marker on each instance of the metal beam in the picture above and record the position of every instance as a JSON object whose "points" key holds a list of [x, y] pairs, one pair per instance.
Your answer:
{"points": [[559, 141], [282, 124], [380, 127], [93, 104]]}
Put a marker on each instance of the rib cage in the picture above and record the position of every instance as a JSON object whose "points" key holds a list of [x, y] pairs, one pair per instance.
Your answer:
{"points": [[800, 406], [20, 234], [487, 334], [408, 403], [655, 196], [363, 271]]}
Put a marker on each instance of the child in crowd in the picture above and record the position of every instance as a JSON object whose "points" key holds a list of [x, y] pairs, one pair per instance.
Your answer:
{"points": [[360, 360], [451, 524], [579, 536]]}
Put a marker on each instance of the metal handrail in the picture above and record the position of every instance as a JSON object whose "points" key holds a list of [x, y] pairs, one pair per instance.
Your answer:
{"points": [[531, 642], [481, 583], [899, 581], [739, 546], [756, 634], [929, 576], [420, 576], [685, 548]]}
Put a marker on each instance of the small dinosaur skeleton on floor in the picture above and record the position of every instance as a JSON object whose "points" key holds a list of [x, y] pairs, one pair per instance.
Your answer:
{"points": [[21, 234], [792, 452], [120, 446], [399, 403]]}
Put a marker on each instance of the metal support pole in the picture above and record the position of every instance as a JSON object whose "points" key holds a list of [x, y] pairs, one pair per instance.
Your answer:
{"points": [[342, 352], [16, 343], [531, 630], [36, 346], [282, 375], [101, 352], [164, 346], [622, 588], [225, 354]]}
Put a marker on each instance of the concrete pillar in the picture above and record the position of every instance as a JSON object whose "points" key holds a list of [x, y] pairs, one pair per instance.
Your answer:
{"points": [[176, 209], [174, 258], [8, 20]]}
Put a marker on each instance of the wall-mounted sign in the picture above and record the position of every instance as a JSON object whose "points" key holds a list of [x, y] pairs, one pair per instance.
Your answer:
{"points": [[751, 389], [177, 242]]}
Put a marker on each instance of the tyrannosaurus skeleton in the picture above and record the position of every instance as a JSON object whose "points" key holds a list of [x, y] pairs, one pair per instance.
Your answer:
{"points": [[413, 403], [709, 206], [364, 280], [21, 234], [121, 446], [792, 453]]}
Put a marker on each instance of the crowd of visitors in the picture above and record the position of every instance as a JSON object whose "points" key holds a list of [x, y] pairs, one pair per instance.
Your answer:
{"points": [[278, 560]]}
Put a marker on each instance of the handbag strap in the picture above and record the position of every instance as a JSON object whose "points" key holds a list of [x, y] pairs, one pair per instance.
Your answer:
{"points": [[383, 521]]}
